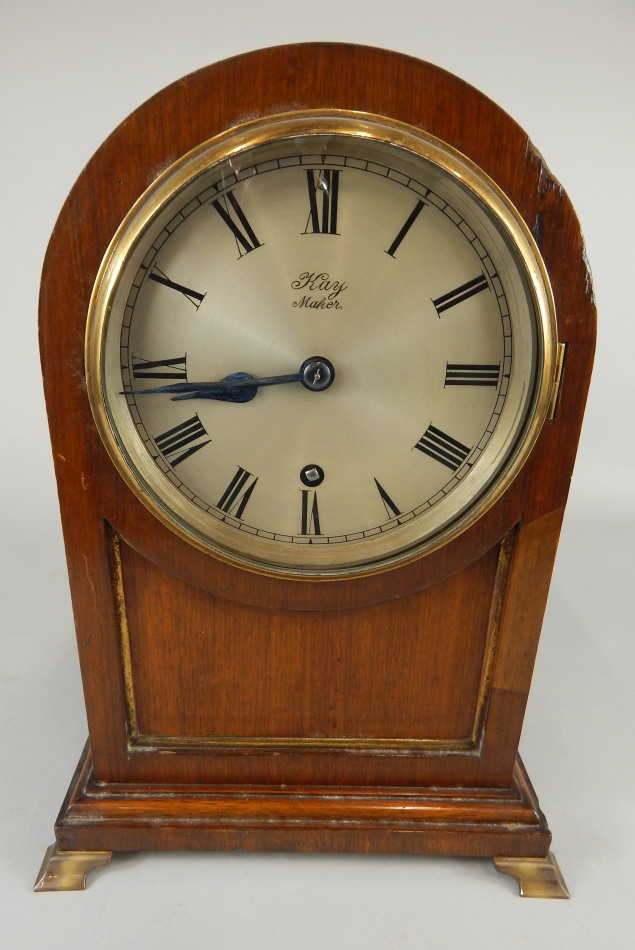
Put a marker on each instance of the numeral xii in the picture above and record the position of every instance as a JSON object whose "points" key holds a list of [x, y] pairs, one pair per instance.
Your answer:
{"points": [[324, 189]]}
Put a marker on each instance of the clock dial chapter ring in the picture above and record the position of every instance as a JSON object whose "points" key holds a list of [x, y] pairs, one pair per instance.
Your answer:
{"points": [[338, 234]]}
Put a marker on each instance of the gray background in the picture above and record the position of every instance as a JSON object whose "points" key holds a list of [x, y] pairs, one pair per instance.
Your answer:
{"points": [[71, 70]]}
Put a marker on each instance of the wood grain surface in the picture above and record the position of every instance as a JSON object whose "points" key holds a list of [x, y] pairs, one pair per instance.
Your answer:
{"points": [[201, 675]]}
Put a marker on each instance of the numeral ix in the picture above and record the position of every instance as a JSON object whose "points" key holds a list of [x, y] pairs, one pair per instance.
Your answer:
{"points": [[171, 368]]}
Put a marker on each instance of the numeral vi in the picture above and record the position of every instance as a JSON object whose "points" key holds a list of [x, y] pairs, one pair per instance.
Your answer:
{"points": [[310, 516]]}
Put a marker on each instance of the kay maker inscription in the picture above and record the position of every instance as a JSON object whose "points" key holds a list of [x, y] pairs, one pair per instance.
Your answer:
{"points": [[320, 291]]}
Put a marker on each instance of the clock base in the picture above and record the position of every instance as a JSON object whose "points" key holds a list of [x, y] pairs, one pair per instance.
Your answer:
{"points": [[98, 819]]}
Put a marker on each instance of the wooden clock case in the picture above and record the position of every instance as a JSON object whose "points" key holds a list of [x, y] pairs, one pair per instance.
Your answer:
{"points": [[231, 709]]}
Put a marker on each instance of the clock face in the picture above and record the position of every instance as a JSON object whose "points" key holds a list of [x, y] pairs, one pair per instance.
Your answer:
{"points": [[320, 344]]}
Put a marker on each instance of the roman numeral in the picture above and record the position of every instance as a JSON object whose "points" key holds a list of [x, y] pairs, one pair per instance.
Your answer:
{"points": [[442, 447], [459, 294], [391, 509], [472, 374], [410, 220], [234, 217], [238, 493], [323, 200], [193, 296], [188, 433], [310, 515], [172, 368]]}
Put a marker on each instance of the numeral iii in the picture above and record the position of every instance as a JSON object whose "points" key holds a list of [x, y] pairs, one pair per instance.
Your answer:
{"points": [[472, 374]]}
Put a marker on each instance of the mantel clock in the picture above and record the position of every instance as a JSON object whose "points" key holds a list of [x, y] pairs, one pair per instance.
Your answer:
{"points": [[316, 331]]}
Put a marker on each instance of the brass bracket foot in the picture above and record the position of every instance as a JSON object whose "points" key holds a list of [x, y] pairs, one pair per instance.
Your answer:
{"points": [[67, 870], [537, 877]]}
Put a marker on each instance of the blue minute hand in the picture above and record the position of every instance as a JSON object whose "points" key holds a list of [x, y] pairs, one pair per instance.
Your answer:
{"points": [[315, 374], [238, 387]]}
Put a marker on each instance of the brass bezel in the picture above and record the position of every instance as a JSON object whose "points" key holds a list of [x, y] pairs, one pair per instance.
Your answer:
{"points": [[362, 125]]}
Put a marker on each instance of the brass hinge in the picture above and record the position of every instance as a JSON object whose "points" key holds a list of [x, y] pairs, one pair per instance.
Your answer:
{"points": [[562, 349]]}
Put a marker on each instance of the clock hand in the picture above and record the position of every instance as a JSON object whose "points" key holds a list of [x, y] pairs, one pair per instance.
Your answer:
{"points": [[315, 374], [237, 387]]}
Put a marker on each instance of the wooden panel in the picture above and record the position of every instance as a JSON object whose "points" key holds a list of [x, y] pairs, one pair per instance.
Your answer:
{"points": [[204, 666], [529, 578]]}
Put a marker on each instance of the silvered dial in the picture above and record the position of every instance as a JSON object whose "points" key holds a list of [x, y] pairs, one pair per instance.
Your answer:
{"points": [[320, 343]]}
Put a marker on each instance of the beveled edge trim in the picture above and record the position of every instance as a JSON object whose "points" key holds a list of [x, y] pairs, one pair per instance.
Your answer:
{"points": [[125, 655], [85, 789], [259, 744], [501, 579]]}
